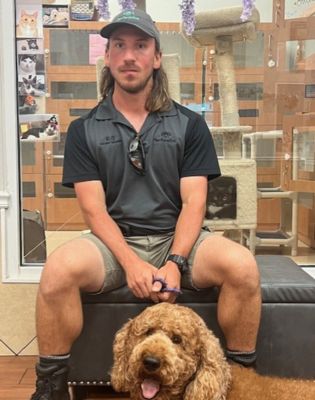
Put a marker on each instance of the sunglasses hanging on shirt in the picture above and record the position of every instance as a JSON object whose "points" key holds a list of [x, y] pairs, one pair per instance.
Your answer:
{"points": [[136, 155]]}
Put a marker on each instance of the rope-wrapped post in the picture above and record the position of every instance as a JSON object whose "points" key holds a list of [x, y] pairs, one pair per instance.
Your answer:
{"points": [[226, 77]]}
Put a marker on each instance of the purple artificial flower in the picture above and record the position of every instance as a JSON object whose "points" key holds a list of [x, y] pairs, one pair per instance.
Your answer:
{"points": [[188, 15], [127, 5], [103, 9], [248, 6]]}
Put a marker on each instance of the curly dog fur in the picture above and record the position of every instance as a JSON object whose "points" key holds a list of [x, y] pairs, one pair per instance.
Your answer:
{"points": [[168, 353]]}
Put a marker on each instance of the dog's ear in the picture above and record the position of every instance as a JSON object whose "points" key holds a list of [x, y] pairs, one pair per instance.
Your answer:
{"points": [[213, 376], [121, 351]]}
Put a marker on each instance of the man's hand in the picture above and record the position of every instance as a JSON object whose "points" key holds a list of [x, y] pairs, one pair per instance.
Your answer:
{"points": [[171, 275], [139, 278]]}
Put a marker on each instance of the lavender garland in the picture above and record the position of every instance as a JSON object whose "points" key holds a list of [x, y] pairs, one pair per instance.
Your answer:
{"points": [[248, 6], [187, 8], [103, 9], [188, 15], [127, 5]]}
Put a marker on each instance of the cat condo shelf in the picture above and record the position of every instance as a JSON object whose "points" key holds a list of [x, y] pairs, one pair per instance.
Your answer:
{"points": [[280, 237], [283, 235]]}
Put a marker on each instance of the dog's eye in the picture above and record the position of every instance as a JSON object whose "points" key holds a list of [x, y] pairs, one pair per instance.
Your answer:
{"points": [[176, 339], [149, 332]]}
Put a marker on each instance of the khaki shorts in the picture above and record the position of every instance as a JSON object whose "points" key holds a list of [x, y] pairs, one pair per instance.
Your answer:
{"points": [[153, 249]]}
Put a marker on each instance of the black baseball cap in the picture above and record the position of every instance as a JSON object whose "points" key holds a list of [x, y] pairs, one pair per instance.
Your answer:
{"points": [[137, 18]]}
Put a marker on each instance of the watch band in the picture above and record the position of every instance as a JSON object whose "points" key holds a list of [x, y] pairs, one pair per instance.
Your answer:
{"points": [[180, 261]]}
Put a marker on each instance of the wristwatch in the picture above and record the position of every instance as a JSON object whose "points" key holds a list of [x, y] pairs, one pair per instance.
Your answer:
{"points": [[180, 261]]}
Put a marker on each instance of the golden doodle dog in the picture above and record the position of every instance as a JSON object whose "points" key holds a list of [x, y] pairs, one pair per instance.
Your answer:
{"points": [[168, 353]]}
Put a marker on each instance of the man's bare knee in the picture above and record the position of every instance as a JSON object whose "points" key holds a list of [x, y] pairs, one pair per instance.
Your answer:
{"points": [[73, 266], [243, 273], [58, 275], [219, 261]]}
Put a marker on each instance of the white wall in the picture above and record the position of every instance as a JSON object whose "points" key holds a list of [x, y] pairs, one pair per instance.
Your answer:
{"points": [[170, 12]]}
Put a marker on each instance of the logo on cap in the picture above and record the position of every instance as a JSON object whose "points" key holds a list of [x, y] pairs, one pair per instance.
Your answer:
{"points": [[128, 15]]}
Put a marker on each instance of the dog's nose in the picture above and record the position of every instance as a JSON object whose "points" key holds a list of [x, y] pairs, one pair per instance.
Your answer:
{"points": [[151, 363]]}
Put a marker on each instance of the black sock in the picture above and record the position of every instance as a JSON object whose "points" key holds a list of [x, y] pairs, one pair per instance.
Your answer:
{"points": [[60, 359], [245, 358]]}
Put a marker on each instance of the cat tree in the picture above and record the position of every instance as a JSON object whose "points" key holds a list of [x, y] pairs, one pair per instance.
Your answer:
{"points": [[221, 28]]}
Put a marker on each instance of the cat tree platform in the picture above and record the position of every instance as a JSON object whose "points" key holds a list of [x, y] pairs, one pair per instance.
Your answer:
{"points": [[210, 25]]}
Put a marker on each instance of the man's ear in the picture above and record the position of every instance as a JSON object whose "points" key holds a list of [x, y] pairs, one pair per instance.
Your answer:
{"points": [[157, 60], [106, 58]]}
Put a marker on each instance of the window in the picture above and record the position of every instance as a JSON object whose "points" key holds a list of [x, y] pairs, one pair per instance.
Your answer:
{"points": [[49, 77]]}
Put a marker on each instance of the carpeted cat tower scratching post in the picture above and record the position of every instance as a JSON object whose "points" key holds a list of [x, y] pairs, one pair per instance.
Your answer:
{"points": [[221, 28]]}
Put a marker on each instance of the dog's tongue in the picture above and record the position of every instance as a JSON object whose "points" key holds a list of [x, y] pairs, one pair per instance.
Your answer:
{"points": [[149, 388]]}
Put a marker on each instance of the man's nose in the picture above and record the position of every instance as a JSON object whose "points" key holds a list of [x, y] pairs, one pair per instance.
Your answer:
{"points": [[129, 54]]}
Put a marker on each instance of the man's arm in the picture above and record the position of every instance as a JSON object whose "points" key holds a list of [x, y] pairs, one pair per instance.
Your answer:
{"points": [[92, 201], [193, 191]]}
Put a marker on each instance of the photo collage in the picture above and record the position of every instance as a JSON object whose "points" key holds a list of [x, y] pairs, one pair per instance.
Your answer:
{"points": [[31, 73], [32, 16]]}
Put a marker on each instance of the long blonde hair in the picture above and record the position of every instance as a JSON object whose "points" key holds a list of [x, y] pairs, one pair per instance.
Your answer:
{"points": [[159, 98]]}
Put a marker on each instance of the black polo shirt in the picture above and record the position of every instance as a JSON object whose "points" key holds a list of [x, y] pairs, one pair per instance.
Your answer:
{"points": [[177, 144]]}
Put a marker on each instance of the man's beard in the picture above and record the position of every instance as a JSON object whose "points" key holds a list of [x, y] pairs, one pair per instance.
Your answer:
{"points": [[134, 89]]}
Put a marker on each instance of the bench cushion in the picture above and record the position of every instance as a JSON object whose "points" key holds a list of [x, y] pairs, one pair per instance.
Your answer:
{"points": [[282, 281]]}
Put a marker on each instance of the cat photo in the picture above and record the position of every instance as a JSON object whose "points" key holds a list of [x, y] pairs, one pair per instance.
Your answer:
{"points": [[27, 104], [31, 78], [31, 64], [39, 127], [55, 16], [30, 46], [29, 21], [221, 201], [27, 65], [32, 85]]}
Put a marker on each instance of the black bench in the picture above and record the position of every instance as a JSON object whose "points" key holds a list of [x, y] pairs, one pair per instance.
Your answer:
{"points": [[286, 342]]}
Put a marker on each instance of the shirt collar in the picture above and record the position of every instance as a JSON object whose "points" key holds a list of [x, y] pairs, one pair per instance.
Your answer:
{"points": [[106, 111]]}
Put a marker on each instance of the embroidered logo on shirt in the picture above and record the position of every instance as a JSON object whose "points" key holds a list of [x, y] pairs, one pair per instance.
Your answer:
{"points": [[164, 137], [111, 140]]}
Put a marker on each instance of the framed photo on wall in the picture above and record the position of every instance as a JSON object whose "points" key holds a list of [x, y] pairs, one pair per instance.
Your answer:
{"points": [[29, 21], [39, 127]]}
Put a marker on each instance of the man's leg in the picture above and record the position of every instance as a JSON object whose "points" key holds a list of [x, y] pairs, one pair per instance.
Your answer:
{"points": [[77, 265], [230, 266]]}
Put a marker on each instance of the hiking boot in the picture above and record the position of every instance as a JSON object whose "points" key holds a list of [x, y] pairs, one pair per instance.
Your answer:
{"points": [[51, 383]]}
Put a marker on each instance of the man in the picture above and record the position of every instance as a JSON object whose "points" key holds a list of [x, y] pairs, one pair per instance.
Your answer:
{"points": [[140, 164]]}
